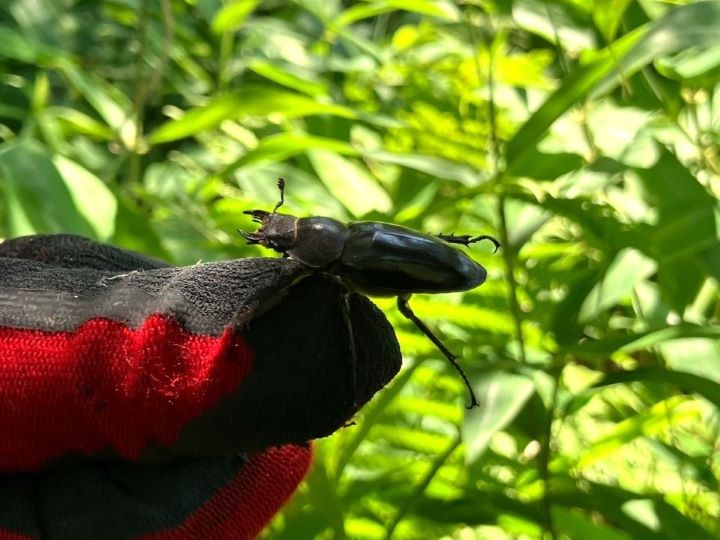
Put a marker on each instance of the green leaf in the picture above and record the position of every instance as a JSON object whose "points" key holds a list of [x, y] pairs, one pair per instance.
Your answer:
{"points": [[710, 390], [693, 25], [685, 237], [433, 8], [546, 166], [554, 22], [698, 356], [282, 146], [285, 77], [574, 90], [478, 507], [674, 410], [77, 122], [232, 15], [24, 49], [693, 67], [134, 231], [641, 515], [109, 102], [629, 268], [418, 204], [608, 14], [350, 184], [416, 440], [577, 525], [501, 396], [31, 181], [92, 197], [249, 100], [432, 165], [629, 342]]}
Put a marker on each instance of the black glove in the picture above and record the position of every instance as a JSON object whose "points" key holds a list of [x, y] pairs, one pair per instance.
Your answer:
{"points": [[139, 399]]}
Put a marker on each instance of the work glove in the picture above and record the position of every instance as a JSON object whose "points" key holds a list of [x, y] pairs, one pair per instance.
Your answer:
{"points": [[141, 400]]}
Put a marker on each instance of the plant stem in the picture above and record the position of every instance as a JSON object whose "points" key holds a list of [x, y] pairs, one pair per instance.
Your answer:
{"points": [[423, 485]]}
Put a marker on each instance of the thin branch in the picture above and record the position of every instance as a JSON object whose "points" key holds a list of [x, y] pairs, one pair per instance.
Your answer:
{"points": [[423, 485], [509, 258], [137, 108], [546, 453], [144, 90]]}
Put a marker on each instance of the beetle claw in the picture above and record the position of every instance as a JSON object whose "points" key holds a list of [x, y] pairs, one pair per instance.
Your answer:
{"points": [[494, 240], [252, 238], [466, 239], [257, 215]]}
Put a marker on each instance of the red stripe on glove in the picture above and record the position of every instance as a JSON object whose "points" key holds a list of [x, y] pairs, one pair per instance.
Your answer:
{"points": [[8, 535], [107, 386]]}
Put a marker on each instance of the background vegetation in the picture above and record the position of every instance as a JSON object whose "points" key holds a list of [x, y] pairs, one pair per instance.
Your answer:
{"points": [[583, 134]]}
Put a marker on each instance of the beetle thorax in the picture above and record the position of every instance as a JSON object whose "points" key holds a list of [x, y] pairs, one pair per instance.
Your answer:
{"points": [[319, 241]]}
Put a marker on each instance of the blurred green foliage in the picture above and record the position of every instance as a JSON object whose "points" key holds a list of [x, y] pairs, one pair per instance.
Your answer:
{"points": [[584, 134]]}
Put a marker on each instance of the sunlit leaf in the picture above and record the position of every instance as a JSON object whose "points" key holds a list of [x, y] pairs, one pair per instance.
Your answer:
{"points": [[674, 410], [417, 440], [78, 122], [31, 180], [691, 25], [553, 22], [435, 8], [575, 89], [501, 396], [249, 100], [640, 515], [577, 525], [434, 166], [91, 196], [287, 78], [113, 106], [285, 145], [232, 15], [618, 282], [349, 183], [25, 49], [707, 388], [629, 342], [608, 14]]}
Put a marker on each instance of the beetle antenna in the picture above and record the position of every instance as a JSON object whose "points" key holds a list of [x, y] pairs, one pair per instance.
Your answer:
{"points": [[281, 187], [404, 308]]}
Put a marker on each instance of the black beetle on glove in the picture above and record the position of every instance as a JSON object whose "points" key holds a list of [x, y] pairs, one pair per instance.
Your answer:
{"points": [[374, 258]]}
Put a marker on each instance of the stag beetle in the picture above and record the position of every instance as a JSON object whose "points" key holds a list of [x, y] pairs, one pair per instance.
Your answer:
{"points": [[377, 259]]}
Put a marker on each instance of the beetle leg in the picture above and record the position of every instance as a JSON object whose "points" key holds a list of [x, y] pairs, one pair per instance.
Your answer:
{"points": [[466, 239], [404, 307], [452, 239], [345, 308]]}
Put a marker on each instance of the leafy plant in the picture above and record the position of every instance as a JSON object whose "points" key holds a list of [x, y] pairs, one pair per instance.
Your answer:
{"points": [[583, 133]]}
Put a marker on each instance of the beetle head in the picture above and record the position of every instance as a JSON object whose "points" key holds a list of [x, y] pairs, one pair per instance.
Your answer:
{"points": [[276, 231]]}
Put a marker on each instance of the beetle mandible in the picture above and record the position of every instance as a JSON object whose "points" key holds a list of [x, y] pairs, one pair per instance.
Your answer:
{"points": [[377, 259]]}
